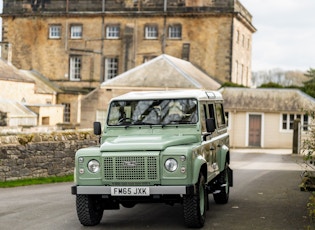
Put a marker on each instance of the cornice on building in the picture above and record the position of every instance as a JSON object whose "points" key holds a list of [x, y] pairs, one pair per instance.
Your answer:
{"points": [[122, 8]]}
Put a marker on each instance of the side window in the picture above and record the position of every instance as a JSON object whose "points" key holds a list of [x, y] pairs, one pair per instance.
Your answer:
{"points": [[220, 114], [211, 111], [203, 117]]}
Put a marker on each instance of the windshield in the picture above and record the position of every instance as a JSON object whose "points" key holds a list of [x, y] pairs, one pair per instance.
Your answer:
{"points": [[153, 112]]}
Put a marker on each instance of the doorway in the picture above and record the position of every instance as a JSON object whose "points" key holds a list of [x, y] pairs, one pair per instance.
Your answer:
{"points": [[254, 130]]}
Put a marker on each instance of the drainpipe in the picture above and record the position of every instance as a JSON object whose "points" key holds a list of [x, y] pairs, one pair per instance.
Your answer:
{"points": [[164, 28], [66, 37], [67, 6], [102, 42], [231, 46]]}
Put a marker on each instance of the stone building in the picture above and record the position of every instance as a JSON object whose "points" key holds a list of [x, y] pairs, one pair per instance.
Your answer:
{"points": [[80, 44], [27, 99], [264, 118]]}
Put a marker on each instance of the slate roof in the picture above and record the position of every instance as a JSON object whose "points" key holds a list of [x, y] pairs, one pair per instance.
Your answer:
{"points": [[15, 109], [10, 73], [267, 100], [164, 71], [42, 84]]}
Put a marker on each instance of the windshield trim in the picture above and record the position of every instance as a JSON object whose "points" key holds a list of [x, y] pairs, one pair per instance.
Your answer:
{"points": [[153, 112]]}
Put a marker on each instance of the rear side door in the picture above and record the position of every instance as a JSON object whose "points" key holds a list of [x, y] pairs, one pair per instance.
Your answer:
{"points": [[210, 144]]}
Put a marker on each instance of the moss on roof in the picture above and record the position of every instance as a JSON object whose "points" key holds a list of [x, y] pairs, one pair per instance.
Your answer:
{"points": [[267, 100]]}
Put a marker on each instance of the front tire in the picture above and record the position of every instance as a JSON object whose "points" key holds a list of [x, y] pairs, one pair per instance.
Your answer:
{"points": [[89, 209], [195, 206]]}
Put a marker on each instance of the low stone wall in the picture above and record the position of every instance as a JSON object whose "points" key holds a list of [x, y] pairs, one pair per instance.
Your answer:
{"points": [[41, 155]]}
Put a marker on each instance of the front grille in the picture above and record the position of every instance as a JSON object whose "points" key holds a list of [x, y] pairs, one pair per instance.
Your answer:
{"points": [[128, 169]]}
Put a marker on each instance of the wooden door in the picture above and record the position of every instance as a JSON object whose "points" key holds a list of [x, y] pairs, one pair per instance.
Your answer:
{"points": [[254, 134]]}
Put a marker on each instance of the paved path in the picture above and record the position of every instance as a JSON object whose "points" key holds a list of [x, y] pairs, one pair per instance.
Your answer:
{"points": [[265, 196]]}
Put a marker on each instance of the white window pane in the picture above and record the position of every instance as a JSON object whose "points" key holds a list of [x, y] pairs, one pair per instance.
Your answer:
{"points": [[284, 122], [111, 68], [66, 114], [55, 31], [76, 31], [151, 32], [175, 31], [112, 32], [75, 68]]}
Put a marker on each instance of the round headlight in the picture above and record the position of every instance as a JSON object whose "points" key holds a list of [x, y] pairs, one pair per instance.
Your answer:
{"points": [[94, 166], [171, 165]]}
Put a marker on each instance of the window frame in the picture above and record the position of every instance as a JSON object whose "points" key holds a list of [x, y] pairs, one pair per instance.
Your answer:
{"points": [[289, 120], [66, 112], [76, 34], [51, 32], [151, 32], [186, 51], [111, 34], [220, 115], [111, 68], [75, 67], [173, 34]]}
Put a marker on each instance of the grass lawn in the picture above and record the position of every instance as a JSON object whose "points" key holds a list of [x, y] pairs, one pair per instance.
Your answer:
{"points": [[33, 181]]}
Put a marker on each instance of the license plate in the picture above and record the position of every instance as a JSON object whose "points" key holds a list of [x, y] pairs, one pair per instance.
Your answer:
{"points": [[130, 191]]}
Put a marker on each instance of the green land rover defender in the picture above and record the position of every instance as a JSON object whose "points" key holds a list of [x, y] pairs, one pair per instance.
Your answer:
{"points": [[160, 146]]}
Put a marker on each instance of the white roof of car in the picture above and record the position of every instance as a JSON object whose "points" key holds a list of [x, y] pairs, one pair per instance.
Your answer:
{"points": [[172, 94]]}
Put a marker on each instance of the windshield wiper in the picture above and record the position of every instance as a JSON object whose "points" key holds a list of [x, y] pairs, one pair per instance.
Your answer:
{"points": [[140, 123]]}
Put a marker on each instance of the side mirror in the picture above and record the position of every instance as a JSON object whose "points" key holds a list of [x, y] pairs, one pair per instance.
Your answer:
{"points": [[97, 127], [210, 124]]}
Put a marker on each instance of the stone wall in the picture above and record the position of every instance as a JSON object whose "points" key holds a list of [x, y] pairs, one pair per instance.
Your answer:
{"points": [[41, 155]]}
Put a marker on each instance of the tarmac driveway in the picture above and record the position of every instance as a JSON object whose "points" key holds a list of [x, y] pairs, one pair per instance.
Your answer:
{"points": [[265, 196]]}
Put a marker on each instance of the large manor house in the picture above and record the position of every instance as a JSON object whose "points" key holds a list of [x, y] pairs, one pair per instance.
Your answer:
{"points": [[77, 45]]}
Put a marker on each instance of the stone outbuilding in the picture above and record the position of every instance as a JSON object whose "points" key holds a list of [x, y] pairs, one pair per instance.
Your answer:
{"points": [[15, 114], [263, 118], [25, 96], [161, 73]]}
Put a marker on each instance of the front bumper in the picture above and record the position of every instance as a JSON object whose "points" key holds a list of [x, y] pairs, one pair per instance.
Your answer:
{"points": [[154, 190]]}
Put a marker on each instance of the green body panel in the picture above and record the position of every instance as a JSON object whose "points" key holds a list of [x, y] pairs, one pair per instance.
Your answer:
{"points": [[135, 155], [145, 142]]}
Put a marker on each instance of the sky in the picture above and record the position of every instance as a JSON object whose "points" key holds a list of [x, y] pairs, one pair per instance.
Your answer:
{"points": [[285, 36]]}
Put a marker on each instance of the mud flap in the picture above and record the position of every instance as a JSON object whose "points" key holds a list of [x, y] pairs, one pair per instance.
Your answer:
{"points": [[230, 172]]}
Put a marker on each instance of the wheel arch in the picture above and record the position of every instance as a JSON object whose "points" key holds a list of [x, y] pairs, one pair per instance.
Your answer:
{"points": [[200, 166], [224, 157]]}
